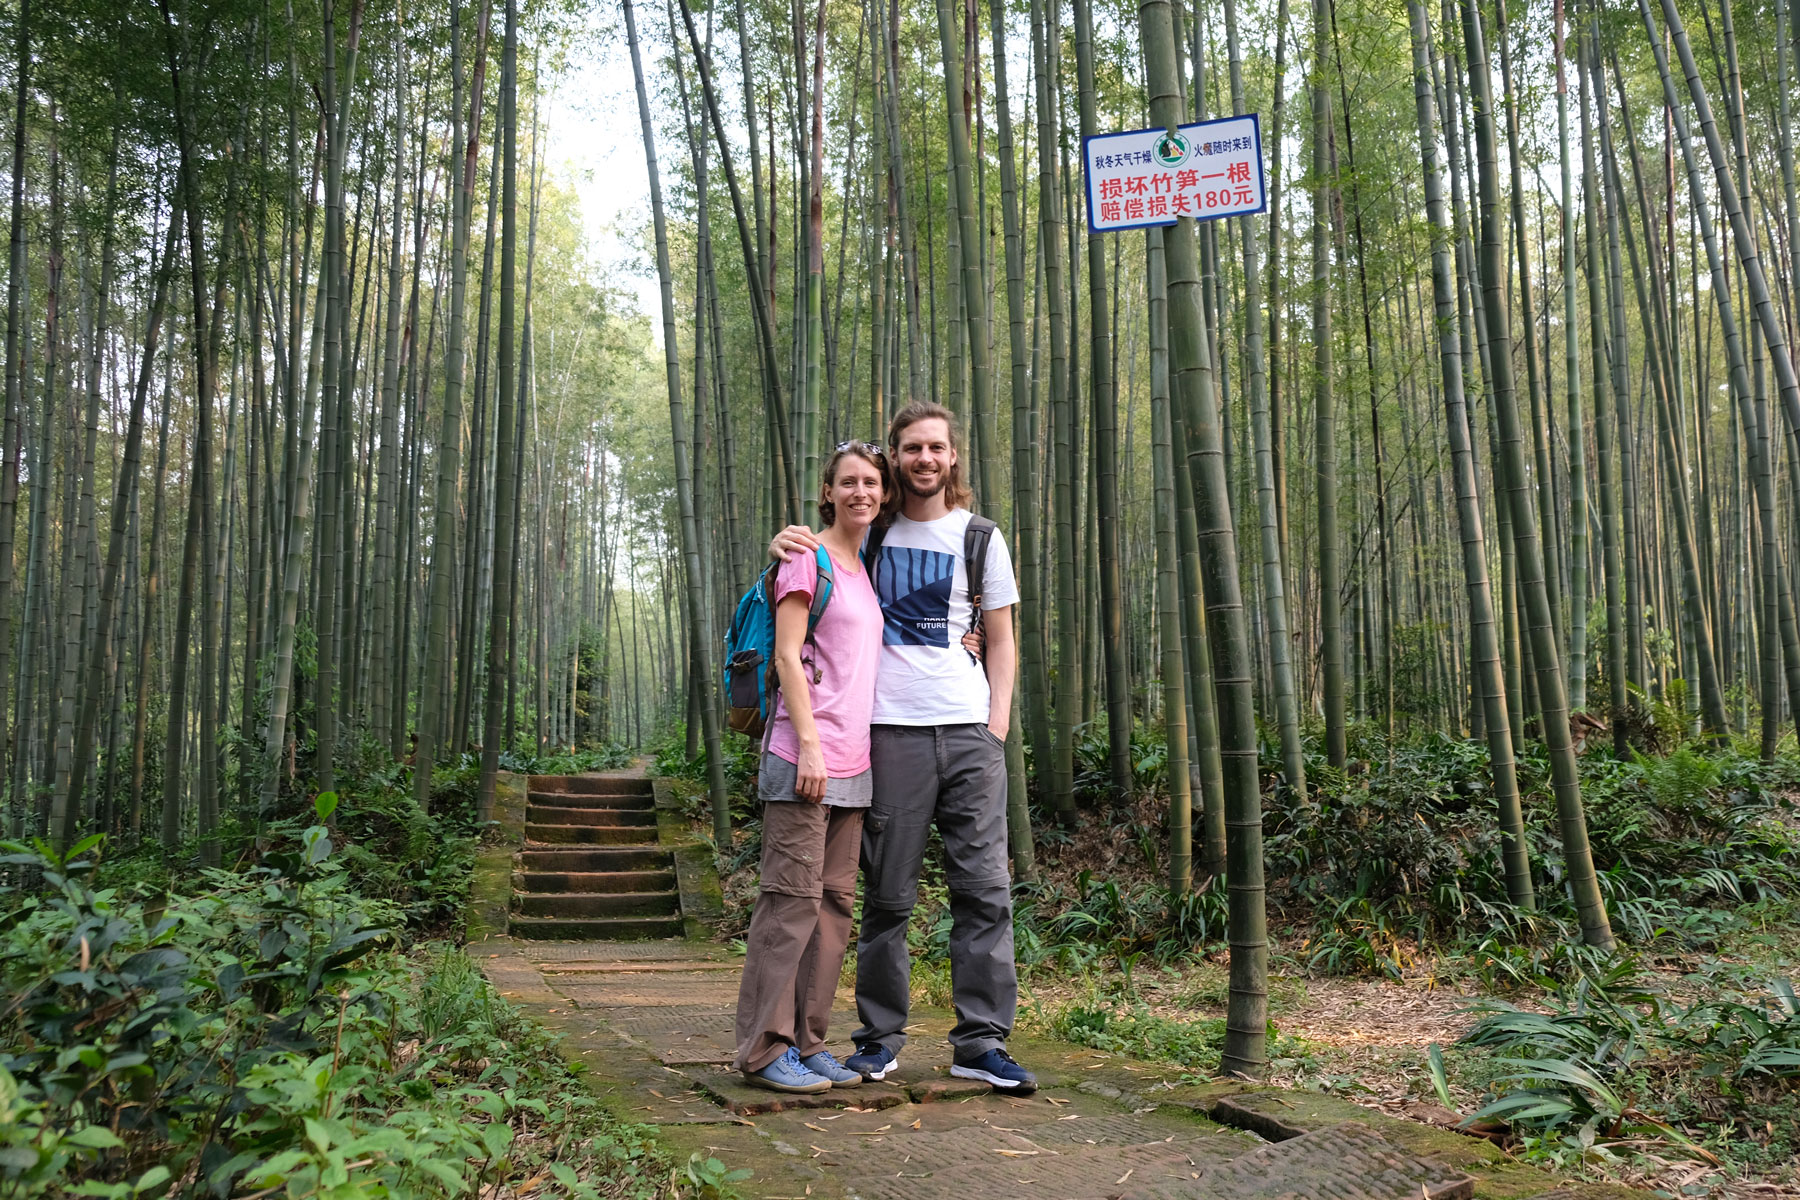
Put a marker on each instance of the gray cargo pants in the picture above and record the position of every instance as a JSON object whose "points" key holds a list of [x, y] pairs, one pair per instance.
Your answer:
{"points": [[953, 776]]}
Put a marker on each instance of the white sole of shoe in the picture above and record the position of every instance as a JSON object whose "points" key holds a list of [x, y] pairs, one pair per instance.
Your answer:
{"points": [[1010, 1085], [809, 1089], [878, 1076]]}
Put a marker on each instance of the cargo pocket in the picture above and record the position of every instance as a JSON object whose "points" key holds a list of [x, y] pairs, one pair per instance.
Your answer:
{"points": [[873, 824]]}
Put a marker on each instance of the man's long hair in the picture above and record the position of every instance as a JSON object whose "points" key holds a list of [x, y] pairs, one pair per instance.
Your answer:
{"points": [[956, 491]]}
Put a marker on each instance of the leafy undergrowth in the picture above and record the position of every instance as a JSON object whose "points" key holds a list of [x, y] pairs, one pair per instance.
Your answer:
{"points": [[1703, 1067], [1675, 1063], [269, 1033]]}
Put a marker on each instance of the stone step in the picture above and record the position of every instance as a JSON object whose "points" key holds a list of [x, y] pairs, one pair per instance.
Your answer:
{"points": [[591, 835], [635, 803], [595, 859], [543, 814], [597, 904], [593, 881], [591, 785], [595, 928]]}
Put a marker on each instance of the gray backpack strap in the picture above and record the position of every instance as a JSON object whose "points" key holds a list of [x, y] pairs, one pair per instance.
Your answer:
{"points": [[976, 536]]}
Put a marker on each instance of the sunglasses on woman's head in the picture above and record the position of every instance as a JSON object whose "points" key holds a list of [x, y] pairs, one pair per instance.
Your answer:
{"points": [[869, 448]]}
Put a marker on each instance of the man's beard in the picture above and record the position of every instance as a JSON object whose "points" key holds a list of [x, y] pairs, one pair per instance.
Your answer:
{"points": [[912, 488]]}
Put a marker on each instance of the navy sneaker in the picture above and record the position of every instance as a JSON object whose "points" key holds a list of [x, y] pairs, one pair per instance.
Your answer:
{"points": [[824, 1064], [873, 1060], [786, 1074], [998, 1068]]}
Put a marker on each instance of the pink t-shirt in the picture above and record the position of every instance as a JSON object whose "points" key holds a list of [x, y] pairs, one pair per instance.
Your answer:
{"points": [[848, 648]]}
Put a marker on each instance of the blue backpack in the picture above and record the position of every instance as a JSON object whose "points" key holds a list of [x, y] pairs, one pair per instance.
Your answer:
{"points": [[750, 680]]}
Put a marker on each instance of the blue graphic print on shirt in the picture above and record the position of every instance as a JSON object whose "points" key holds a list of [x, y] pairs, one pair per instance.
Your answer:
{"points": [[914, 588]]}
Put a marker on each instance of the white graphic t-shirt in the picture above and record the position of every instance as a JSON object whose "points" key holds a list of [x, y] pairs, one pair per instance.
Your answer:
{"points": [[926, 677]]}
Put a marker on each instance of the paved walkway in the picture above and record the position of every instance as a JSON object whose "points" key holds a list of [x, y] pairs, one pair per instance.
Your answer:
{"points": [[652, 1022]]}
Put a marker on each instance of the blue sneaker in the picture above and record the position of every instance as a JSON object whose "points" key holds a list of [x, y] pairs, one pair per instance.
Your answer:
{"points": [[998, 1068], [786, 1074], [873, 1060], [824, 1064]]}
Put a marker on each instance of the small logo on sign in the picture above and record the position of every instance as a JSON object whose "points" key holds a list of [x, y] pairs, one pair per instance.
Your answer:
{"points": [[1171, 150]]}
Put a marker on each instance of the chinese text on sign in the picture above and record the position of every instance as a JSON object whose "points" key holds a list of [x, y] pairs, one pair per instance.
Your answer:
{"points": [[1146, 177]]}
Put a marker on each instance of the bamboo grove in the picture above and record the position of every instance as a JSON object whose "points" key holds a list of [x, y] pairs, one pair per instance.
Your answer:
{"points": [[329, 447]]}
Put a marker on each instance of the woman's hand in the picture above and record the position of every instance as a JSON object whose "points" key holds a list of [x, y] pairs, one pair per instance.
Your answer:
{"points": [[792, 539], [809, 781]]}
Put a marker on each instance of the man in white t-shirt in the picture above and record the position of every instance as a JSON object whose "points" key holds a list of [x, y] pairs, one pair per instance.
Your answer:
{"points": [[937, 747]]}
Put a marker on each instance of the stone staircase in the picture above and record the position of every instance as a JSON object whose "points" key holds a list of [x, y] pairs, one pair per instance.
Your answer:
{"points": [[591, 865]]}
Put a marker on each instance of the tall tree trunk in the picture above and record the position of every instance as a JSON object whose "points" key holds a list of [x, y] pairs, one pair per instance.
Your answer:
{"points": [[760, 302], [1485, 646], [1062, 776], [1325, 485], [334, 409], [700, 627], [1659, 367], [1604, 432], [125, 490], [1565, 771], [499, 647], [1036, 726], [1168, 595], [1578, 506], [1105, 407], [12, 433], [199, 500], [1246, 1022], [1287, 707], [1768, 319], [386, 494]]}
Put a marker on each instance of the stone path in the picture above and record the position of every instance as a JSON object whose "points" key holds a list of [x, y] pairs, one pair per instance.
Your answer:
{"points": [[652, 1023]]}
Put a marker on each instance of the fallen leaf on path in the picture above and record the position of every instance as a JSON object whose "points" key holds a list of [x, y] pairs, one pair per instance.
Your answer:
{"points": [[1124, 1177], [820, 1128], [1017, 1153], [917, 1124]]}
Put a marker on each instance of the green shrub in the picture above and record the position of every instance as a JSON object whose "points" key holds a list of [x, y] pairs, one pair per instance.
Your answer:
{"points": [[266, 1034], [1614, 1058]]}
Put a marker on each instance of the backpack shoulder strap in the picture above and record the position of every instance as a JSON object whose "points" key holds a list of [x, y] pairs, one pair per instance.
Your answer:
{"points": [[821, 591], [976, 536], [871, 551]]}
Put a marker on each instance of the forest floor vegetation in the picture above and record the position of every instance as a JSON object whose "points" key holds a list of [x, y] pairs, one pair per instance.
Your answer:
{"points": [[300, 1022], [1403, 979]]}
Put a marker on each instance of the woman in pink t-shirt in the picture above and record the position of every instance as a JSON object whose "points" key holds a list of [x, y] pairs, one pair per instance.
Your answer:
{"points": [[814, 785]]}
